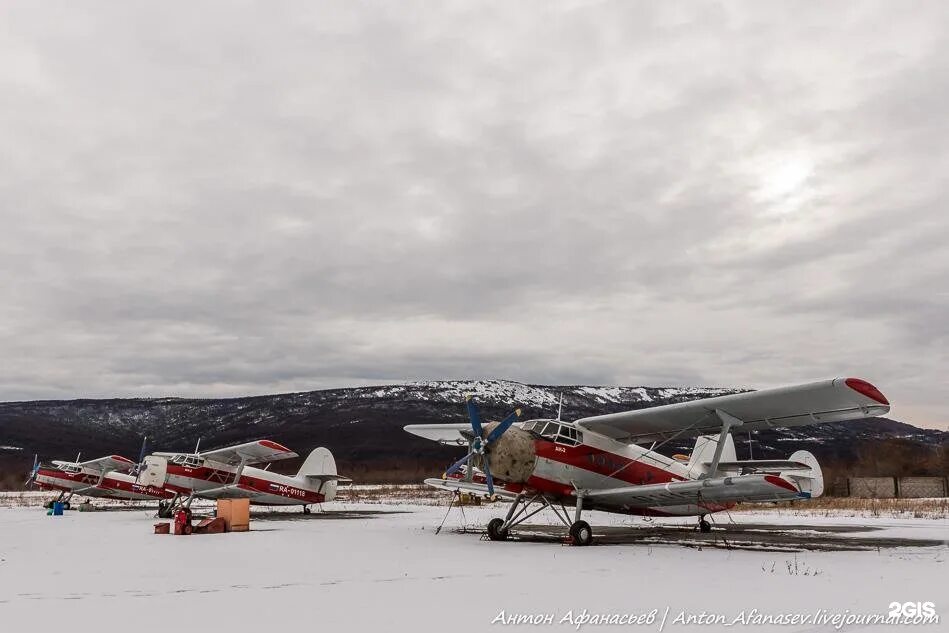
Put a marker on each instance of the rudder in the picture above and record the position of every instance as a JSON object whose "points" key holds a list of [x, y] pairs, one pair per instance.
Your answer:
{"points": [[320, 461]]}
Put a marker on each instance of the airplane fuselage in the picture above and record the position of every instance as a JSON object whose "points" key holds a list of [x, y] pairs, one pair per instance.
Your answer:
{"points": [[590, 461], [113, 485], [217, 481]]}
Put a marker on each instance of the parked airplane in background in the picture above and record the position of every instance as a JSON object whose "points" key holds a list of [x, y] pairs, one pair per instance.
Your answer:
{"points": [[103, 477], [597, 463], [226, 473]]}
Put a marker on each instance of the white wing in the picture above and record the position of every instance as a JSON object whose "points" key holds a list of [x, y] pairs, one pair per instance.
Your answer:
{"points": [[836, 400], [256, 452], [110, 463], [441, 433]]}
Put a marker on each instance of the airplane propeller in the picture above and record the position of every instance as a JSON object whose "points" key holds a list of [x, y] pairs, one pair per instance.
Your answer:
{"points": [[36, 468], [480, 445], [141, 457]]}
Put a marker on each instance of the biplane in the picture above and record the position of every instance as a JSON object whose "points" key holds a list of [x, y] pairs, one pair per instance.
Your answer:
{"points": [[611, 462], [227, 473], [103, 477]]}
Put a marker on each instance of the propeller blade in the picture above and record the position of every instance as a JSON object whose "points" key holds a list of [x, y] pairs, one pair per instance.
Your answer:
{"points": [[487, 475], [36, 468], [503, 426], [474, 416], [457, 465], [141, 454]]}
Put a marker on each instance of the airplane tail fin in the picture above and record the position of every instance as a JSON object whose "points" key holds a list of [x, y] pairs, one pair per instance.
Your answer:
{"points": [[319, 471], [704, 451], [811, 482]]}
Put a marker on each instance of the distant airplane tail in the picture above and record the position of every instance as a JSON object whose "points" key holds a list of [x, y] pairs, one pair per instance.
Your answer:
{"points": [[811, 481], [319, 471], [704, 451]]}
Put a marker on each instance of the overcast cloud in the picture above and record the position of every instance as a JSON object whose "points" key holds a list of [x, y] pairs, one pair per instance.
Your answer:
{"points": [[240, 198]]}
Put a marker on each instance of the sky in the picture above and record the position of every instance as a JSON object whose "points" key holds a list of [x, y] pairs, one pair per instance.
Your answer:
{"points": [[234, 198]]}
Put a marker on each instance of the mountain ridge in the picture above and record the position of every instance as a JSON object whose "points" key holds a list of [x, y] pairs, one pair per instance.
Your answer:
{"points": [[363, 425]]}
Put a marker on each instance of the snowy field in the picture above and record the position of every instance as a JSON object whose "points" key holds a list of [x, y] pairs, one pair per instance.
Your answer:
{"points": [[380, 566]]}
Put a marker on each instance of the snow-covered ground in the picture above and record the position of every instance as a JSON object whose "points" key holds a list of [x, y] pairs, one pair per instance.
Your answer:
{"points": [[380, 566]]}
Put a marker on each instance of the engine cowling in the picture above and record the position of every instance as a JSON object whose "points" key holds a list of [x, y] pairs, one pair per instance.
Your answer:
{"points": [[512, 456]]}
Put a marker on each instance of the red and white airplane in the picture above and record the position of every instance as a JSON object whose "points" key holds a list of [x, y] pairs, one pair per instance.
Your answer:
{"points": [[598, 463], [103, 477], [226, 473]]}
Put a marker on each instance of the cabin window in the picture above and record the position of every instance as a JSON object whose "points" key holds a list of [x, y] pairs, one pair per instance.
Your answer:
{"points": [[555, 431]]}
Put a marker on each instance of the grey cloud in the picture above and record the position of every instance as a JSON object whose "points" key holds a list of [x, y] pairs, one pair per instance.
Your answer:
{"points": [[244, 198]]}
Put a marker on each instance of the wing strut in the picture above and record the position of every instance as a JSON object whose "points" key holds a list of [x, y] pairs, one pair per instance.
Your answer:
{"points": [[728, 421]]}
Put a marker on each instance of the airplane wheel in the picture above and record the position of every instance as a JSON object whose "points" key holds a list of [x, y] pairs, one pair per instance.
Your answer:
{"points": [[306, 510], [704, 526], [495, 533], [66, 505], [580, 533]]}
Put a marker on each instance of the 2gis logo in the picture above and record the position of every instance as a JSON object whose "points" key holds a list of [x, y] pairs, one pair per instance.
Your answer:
{"points": [[911, 610]]}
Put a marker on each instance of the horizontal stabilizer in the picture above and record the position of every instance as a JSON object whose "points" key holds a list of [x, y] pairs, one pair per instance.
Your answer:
{"points": [[762, 464], [329, 477]]}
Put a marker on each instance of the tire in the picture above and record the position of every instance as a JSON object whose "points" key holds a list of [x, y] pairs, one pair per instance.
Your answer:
{"points": [[581, 533], [66, 506], [704, 526], [495, 533]]}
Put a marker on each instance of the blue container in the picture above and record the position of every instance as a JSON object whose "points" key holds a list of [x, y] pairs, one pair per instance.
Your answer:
{"points": [[57, 508]]}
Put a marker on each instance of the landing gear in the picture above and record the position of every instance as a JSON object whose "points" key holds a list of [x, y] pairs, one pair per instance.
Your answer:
{"points": [[500, 529], [704, 526], [496, 530], [306, 509], [581, 533], [167, 510]]}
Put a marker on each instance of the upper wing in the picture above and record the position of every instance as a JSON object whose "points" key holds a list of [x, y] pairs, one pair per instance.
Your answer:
{"points": [[834, 400], [441, 433], [110, 463], [249, 453]]}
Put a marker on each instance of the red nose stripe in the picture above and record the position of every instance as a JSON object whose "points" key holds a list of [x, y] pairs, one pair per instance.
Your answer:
{"points": [[864, 388]]}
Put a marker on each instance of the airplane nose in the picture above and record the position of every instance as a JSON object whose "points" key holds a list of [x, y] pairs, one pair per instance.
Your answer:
{"points": [[512, 456]]}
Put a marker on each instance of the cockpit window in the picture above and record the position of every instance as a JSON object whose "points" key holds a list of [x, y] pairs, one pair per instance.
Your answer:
{"points": [[188, 460], [555, 431]]}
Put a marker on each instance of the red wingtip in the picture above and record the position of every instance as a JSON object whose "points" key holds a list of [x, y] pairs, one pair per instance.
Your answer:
{"points": [[274, 446], [864, 388], [781, 483]]}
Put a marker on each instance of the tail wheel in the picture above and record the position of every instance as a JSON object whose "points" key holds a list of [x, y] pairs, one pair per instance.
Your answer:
{"points": [[495, 533], [581, 533], [704, 526]]}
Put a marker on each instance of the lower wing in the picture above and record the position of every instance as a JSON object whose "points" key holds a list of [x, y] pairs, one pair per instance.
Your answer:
{"points": [[756, 487], [460, 485]]}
